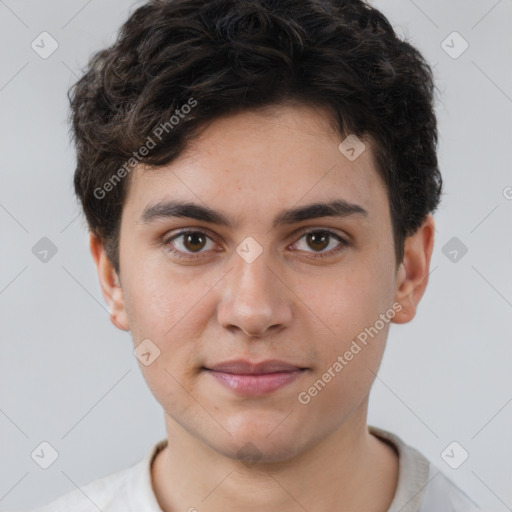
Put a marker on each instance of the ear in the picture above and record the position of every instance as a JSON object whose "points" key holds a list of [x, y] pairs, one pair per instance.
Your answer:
{"points": [[412, 276], [110, 284]]}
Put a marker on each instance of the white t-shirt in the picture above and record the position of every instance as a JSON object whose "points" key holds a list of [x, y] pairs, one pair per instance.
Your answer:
{"points": [[421, 487]]}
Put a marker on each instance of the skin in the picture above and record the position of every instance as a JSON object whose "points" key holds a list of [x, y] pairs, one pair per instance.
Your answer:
{"points": [[285, 305]]}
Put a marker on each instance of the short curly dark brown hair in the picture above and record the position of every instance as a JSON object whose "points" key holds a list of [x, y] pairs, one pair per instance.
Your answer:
{"points": [[196, 60]]}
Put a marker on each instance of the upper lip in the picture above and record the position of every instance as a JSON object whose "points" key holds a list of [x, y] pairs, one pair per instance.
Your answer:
{"points": [[244, 367]]}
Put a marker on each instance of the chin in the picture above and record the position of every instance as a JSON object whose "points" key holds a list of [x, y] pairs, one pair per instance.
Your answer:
{"points": [[262, 441], [260, 451]]}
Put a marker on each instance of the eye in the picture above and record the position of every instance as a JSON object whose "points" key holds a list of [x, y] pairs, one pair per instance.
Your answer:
{"points": [[193, 241], [319, 240], [190, 244]]}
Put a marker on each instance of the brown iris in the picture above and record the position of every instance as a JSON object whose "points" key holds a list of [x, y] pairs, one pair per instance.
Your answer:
{"points": [[194, 239], [318, 237]]}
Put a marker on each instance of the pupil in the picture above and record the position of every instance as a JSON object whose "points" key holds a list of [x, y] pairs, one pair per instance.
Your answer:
{"points": [[314, 237], [192, 238]]}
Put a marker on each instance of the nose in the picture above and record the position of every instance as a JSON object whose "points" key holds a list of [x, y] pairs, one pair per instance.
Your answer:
{"points": [[255, 300]]}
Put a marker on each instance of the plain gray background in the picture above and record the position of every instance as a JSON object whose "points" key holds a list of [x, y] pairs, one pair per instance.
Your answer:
{"points": [[69, 377]]}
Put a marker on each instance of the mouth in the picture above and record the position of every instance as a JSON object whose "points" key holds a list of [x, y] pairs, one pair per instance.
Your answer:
{"points": [[255, 379]]}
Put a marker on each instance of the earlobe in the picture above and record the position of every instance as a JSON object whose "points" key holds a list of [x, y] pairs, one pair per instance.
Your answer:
{"points": [[412, 276], [110, 284]]}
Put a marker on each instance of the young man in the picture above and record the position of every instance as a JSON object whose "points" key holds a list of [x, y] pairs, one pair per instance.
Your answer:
{"points": [[259, 179]]}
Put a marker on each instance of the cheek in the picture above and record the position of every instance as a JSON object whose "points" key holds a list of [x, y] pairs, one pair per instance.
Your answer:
{"points": [[347, 300], [348, 307], [168, 311], [161, 301], [346, 365]]}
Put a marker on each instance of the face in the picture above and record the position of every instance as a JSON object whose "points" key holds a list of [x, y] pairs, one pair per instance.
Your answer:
{"points": [[262, 278]]}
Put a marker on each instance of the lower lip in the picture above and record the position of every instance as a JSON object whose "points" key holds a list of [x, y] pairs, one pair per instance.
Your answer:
{"points": [[256, 385]]}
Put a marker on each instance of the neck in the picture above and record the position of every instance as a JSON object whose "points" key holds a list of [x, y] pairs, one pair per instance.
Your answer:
{"points": [[349, 470]]}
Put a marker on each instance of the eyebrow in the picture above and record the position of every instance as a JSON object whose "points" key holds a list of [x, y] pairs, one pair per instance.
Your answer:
{"points": [[169, 209]]}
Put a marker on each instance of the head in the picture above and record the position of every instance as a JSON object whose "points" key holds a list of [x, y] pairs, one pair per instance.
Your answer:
{"points": [[250, 112]]}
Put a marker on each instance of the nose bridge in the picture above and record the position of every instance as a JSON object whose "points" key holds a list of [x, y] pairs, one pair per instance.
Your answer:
{"points": [[254, 299]]}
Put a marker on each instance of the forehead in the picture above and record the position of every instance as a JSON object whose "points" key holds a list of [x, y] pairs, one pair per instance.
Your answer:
{"points": [[262, 161]]}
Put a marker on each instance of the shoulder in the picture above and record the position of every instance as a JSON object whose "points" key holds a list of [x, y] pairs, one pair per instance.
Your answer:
{"points": [[442, 495], [107, 494], [422, 487], [126, 490]]}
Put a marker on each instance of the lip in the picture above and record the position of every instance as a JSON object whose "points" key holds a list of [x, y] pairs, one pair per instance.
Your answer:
{"points": [[255, 379], [244, 367]]}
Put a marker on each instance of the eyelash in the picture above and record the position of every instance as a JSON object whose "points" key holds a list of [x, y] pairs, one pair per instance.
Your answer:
{"points": [[191, 256]]}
